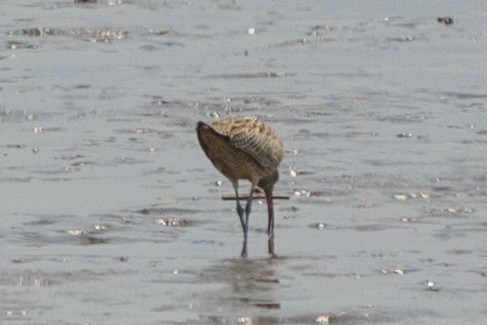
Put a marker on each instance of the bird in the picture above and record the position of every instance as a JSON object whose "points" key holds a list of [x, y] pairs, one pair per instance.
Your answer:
{"points": [[244, 148]]}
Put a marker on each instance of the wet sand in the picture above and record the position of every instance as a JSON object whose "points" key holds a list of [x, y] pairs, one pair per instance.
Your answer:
{"points": [[112, 214]]}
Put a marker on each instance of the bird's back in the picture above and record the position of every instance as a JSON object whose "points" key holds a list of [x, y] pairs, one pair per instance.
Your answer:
{"points": [[241, 147]]}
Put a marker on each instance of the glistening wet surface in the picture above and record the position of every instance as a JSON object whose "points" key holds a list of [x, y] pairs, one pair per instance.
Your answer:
{"points": [[112, 214]]}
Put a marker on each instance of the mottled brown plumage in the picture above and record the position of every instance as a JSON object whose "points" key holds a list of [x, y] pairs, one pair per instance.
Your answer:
{"points": [[244, 148]]}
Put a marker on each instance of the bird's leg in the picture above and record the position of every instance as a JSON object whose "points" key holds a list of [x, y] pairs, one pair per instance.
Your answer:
{"points": [[270, 210], [270, 246], [244, 254], [239, 208], [248, 207]]}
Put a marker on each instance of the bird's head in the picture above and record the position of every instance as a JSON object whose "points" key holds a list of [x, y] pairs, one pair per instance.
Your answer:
{"points": [[267, 183]]}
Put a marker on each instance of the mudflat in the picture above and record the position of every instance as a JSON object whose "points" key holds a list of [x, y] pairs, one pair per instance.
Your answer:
{"points": [[112, 214]]}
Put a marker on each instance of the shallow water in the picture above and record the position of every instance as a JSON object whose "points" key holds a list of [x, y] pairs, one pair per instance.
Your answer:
{"points": [[113, 215]]}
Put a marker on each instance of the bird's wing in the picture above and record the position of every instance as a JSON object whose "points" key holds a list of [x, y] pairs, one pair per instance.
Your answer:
{"points": [[253, 137]]}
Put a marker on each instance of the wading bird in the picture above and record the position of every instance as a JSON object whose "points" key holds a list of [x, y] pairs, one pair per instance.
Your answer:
{"points": [[244, 148]]}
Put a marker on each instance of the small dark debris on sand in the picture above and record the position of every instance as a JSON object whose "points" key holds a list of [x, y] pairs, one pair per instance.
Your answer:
{"points": [[445, 20]]}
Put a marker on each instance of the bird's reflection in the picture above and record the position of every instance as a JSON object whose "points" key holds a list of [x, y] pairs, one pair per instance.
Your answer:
{"points": [[250, 285]]}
